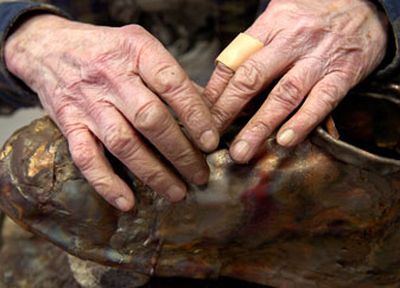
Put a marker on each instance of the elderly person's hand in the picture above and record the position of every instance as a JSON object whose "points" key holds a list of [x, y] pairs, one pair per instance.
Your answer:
{"points": [[112, 85], [317, 49]]}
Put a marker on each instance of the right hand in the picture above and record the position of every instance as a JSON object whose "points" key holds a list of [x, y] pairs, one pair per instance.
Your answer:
{"points": [[110, 84]]}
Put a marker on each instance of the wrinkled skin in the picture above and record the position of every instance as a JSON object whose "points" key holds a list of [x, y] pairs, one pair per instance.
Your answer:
{"points": [[86, 77], [316, 51], [322, 214], [111, 86]]}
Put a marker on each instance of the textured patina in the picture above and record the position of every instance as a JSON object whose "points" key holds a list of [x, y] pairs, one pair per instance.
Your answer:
{"points": [[323, 214]]}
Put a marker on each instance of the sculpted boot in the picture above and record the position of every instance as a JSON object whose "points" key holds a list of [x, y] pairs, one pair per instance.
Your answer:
{"points": [[323, 214]]}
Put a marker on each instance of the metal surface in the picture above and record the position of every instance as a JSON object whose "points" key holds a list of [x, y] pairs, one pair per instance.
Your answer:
{"points": [[323, 214], [2, 218]]}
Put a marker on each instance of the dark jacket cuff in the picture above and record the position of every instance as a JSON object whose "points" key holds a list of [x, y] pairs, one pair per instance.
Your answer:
{"points": [[13, 92], [391, 64]]}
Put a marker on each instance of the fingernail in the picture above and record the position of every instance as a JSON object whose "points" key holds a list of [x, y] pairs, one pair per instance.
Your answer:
{"points": [[175, 193], [209, 140], [122, 204], [240, 151], [200, 178], [286, 137]]}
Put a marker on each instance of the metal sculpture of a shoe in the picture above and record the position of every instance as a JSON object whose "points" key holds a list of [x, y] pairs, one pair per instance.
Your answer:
{"points": [[323, 214]]}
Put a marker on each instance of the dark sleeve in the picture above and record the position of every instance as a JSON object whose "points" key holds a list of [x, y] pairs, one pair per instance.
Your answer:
{"points": [[391, 64], [13, 92]]}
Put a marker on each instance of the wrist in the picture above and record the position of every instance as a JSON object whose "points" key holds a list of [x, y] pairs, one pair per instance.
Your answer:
{"points": [[26, 44]]}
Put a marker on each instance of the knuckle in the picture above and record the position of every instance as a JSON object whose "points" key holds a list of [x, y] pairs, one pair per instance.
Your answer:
{"points": [[350, 73], [99, 109], [193, 114], [217, 83], [135, 29], [289, 93], [223, 73], [82, 155], [104, 186], [185, 158], [169, 79], [260, 127], [328, 96], [94, 71], [307, 31], [153, 177], [347, 54], [311, 116], [67, 92], [221, 115], [119, 139], [61, 113], [73, 129], [308, 25], [211, 93], [71, 97], [248, 78], [151, 117], [137, 39]]}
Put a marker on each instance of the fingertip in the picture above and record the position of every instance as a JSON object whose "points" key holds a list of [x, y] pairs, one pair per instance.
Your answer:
{"points": [[241, 152], [209, 140], [94, 166], [175, 193], [201, 177], [124, 204], [124, 199], [287, 137], [122, 196]]}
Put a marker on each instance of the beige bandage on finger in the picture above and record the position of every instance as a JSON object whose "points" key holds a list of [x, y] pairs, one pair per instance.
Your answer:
{"points": [[239, 50]]}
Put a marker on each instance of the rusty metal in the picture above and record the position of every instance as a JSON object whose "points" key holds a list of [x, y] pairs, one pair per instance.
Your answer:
{"points": [[29, 262], [323, 214]]}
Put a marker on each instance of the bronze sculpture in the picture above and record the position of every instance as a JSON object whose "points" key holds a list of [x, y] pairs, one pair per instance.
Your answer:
{"points": [[323, 214]]}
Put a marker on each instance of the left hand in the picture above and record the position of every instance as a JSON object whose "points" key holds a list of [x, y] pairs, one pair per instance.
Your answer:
{"points": [[317, 49]]}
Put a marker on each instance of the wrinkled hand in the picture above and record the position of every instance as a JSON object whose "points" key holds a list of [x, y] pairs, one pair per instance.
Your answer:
{"points": [[110, 84], [317, 49]]}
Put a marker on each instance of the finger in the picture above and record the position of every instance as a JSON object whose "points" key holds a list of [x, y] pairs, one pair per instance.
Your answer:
{"points": [[124, 143], [168, 80], [282, 101], [153, 120], [249, 80], [217, 84], [323, 98], [222, 74], [90, 160]]}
